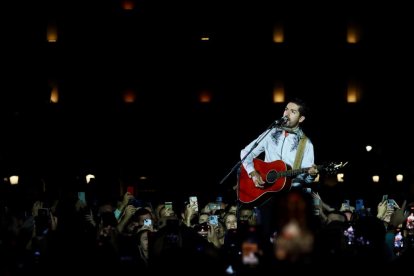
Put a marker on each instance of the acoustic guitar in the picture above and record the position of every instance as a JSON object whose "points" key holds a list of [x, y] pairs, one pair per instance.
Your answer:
{"points": [[277, 175]]}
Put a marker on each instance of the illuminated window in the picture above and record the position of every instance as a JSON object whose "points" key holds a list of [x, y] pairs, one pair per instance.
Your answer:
{"points": [[354, 92], [353, 34], [54, 94], [51, 34], [204, 96], [128, 5], [278, 93], [129, 96], [278, 34]]}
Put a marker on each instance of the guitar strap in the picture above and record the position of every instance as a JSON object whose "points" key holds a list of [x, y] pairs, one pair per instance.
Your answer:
{"points": [[299, 152]]}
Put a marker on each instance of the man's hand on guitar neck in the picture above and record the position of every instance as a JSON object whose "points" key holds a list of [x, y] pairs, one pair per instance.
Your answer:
{"points": [[257, 179]]}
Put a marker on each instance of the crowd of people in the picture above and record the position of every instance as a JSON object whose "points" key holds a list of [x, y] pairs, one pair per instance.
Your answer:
{"points": [[217, 236]]}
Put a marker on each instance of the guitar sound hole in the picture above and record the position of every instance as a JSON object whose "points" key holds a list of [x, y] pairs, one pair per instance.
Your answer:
{"points": [[271, 176]]}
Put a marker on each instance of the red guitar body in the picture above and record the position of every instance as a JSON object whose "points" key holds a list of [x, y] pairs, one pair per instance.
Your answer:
{"points": [[273, 173]]}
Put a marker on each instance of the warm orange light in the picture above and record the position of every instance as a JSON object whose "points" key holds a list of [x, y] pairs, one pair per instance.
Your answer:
{"points": [[205, 96], [353, 93], [129, 96], [52, 34], [54, 94], [278, 34], [278, 93], [128, 5], [353, 34]]}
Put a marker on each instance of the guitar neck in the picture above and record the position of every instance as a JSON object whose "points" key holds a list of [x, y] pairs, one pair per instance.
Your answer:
{"points": [[290, 173]]}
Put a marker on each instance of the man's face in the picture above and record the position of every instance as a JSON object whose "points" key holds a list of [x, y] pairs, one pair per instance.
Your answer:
{"points": [[245, 214], [293, 114]]}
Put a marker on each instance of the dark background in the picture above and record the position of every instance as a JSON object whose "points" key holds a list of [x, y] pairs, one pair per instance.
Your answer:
{"points": [[178, 143]]}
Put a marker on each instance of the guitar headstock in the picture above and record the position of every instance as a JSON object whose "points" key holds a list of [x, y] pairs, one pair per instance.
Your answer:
{"points": [[333, 167]]}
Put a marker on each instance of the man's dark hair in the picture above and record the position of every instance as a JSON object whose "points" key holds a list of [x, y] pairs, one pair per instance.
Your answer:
{"points": [[303, 107]]}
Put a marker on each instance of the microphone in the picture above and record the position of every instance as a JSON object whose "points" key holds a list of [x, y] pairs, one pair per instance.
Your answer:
{"points": [[281, 121]]}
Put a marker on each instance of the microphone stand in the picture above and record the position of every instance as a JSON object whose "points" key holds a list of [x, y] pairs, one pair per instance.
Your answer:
{"points": [[238, 164]]}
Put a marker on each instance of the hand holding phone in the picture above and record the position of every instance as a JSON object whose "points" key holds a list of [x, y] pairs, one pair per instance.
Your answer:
{"points": [[213, 206], [82, 197], [194, 202], [131, 190], [168, 208], [316, 206], [345, 206], [147, 222], [359, 205], [392, 203], [213, 220]]}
